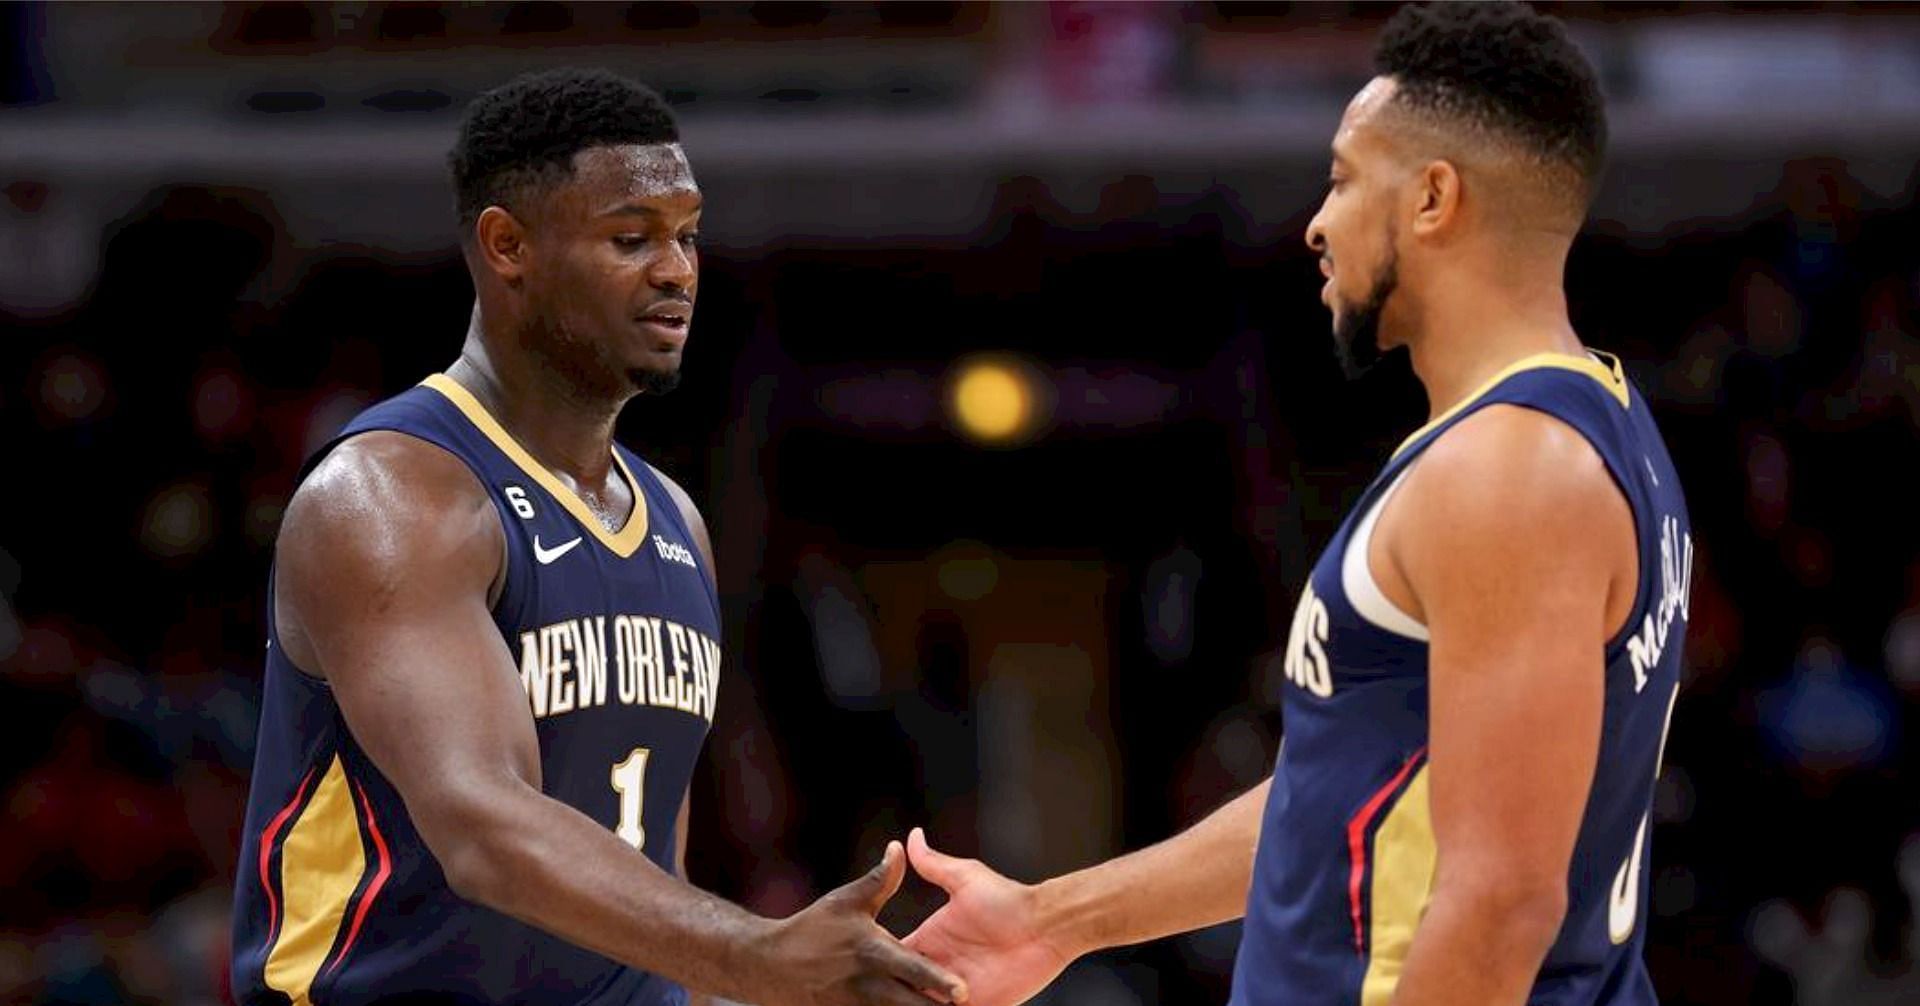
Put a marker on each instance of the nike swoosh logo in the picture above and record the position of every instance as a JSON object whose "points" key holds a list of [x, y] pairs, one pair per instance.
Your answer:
{"points": [[547, 555], [1623, 904]]}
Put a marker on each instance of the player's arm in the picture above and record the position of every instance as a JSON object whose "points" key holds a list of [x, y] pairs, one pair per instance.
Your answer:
{"points": [[384, 566], [1190, 881], [1009, 940], [1518, 538]]}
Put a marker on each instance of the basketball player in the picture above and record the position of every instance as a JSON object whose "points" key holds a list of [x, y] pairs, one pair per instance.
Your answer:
{"points": [[493, 654], [1483, 662]]}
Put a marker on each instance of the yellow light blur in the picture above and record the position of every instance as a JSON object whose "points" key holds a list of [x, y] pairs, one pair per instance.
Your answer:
{"points": [[993, 401]]}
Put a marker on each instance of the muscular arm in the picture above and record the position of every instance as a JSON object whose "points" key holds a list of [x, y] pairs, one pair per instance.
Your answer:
{"points": [[1193, 880], [1512, 555], [383, 570]]}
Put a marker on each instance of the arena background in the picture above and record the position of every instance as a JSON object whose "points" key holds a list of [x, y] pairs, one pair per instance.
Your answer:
{"points": [[1073, 226]]}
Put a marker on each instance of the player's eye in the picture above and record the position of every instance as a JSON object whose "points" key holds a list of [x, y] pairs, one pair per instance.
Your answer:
{"points": [[690, 239]]}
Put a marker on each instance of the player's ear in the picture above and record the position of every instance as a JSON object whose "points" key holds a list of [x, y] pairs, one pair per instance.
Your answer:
{"points": [[501, 241], [1436, 197]]}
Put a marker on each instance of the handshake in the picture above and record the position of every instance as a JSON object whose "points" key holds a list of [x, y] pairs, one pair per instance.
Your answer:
{"points": [[989, 945], [998, 942]]}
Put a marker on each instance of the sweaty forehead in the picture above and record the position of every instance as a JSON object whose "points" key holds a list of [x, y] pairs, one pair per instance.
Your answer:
{"points": [[1362, 127], [635, 171]]}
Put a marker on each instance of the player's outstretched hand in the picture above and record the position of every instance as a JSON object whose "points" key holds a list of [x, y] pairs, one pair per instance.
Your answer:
{"points": [[989, 931], [832, 953]]}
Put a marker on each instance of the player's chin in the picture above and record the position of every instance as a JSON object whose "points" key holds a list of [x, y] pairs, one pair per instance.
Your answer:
{"points": [[655, 377]]}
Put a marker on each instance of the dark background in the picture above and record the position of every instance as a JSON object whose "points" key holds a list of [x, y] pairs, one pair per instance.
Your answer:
{"points": [[226, 229]]}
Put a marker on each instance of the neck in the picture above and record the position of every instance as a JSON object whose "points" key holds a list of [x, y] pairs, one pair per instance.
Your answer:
{"points": [[565, 427], [1472, 326]]}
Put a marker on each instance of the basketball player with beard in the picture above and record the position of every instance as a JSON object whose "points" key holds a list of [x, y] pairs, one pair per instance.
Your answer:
{"points": [[1483, 662], [493, 653]]}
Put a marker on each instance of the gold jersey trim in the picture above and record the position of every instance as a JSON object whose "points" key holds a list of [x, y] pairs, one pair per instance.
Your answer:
{"points": [[622, 543], [1602, 367]]}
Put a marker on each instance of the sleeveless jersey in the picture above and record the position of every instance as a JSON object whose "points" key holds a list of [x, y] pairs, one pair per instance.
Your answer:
{"points": [[338, 900], [1346, 855]]}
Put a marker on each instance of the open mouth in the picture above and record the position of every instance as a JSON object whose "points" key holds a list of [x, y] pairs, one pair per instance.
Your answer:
{"points": [[668, 315]]}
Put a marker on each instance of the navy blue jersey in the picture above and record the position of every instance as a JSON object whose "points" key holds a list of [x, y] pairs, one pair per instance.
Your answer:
{"points": [[1346, 856], [615, 638]]}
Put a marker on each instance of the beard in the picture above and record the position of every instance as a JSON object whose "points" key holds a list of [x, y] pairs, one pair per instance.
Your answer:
{"points": [[650, 381], [1356, 332], [588, 366]]}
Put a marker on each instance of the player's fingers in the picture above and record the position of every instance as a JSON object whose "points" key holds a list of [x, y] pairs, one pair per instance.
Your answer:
{"points": [[916, 971], [947, 871], [872, 890]]}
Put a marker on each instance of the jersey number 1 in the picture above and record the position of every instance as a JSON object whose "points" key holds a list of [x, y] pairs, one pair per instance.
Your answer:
{"points": [[630, 781]]}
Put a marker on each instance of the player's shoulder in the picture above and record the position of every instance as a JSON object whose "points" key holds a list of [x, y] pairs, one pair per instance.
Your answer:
{"points": [[390, 493], [384, 519], [391, 467], [1505, 460], [1511, 495]]}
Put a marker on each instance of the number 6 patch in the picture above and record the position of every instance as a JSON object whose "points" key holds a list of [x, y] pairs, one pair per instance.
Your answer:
{"points": [[521, 504]]}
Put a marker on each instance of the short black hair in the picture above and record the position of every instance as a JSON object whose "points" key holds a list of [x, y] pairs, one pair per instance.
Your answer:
{"points": [[524, 133], [1502, 67]]}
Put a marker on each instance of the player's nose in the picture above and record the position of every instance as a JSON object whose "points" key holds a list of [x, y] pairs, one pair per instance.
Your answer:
{"points": [[674, 269]]}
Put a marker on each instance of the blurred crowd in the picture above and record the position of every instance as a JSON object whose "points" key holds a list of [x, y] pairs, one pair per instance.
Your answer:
{"points": [[159, 426]]}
